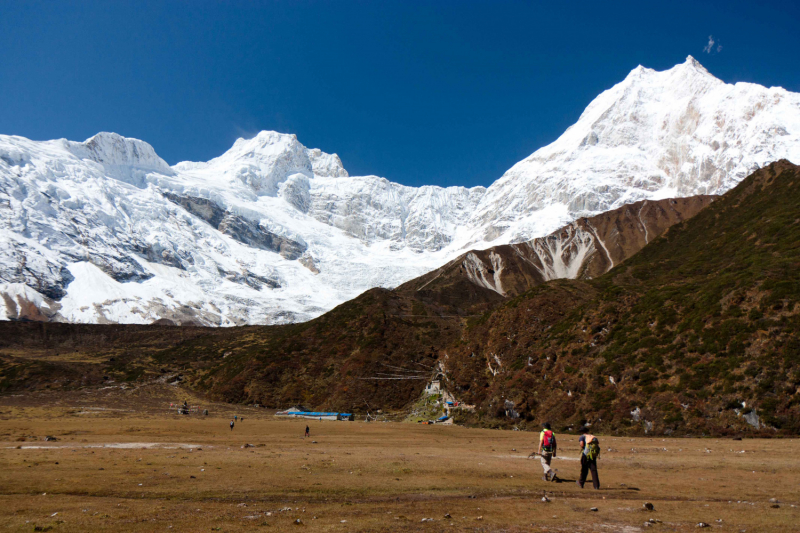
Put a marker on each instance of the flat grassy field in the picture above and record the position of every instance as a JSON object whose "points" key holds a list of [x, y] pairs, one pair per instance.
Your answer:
{"points": [[124, 462]]}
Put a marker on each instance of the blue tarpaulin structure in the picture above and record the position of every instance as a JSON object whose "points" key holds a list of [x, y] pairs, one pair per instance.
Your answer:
{"points": [[316, 414]]}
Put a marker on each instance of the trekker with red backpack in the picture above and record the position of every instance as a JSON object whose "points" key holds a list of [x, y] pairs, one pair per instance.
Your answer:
{"points": [[547, 450]]}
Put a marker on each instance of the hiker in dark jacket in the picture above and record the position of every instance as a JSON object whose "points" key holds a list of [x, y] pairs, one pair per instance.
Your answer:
{"points": [[231, 425], [590, 451], [547, 450]]}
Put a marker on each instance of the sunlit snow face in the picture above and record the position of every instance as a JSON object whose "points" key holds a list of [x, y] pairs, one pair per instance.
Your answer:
{"points": [[105, 234]]}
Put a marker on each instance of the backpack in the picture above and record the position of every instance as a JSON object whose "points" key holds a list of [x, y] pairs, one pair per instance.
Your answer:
{"points": [[592, 450], [548, 440]]}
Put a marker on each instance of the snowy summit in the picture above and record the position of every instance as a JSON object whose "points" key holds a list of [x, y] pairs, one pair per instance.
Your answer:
{"points": [[273, 232]]}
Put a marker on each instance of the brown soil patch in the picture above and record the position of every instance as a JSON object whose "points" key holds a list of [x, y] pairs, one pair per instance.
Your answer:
{"points": [[128, 464]]}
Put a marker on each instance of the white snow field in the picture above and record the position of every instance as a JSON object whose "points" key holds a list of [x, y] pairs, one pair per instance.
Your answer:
{"points": [[273, 232]]}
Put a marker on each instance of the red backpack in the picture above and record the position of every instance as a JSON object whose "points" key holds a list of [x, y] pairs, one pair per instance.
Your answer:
{"points": [[548, 440]]}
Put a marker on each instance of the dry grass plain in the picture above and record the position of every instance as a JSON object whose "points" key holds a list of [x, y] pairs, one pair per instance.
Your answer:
{"points": [[123, 463]]}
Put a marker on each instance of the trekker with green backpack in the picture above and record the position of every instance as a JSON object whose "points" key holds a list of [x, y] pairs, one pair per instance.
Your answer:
{"points": [[547, 450], [590, 451]]}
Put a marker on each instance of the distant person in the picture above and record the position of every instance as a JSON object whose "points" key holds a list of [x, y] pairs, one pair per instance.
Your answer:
{"points": [[231, 425], [590, 451], [241, 419], [547, 450], [308, 431], [236, 417]]}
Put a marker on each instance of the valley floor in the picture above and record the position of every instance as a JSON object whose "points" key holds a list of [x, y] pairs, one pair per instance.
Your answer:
{"points": [[124, 461]]}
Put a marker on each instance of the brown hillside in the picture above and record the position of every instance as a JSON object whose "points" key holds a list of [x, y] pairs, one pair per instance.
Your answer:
{"points": [[699, 332], [587, 248], [695, 333], [377, 350]]}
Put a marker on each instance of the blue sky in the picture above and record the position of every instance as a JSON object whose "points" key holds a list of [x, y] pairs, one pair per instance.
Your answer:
{"points": [[439, 92]]}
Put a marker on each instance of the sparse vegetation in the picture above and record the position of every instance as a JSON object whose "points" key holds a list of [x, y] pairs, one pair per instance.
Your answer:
{"points": [[706, 314], [121, 462]]}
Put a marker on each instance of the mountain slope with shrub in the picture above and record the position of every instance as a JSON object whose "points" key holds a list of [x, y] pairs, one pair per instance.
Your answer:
{"points": [[378, 349], [584, 249], [375, 351], [698, 332]]}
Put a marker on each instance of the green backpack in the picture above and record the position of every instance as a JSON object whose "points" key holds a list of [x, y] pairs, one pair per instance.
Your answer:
{"points": [[592, 450]]}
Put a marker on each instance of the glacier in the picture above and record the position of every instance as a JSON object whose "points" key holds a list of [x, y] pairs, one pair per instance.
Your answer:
{"points": [[270, 232]]}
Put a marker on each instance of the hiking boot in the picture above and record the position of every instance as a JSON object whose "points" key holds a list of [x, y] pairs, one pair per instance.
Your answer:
{"points": [[544, 478], [579, 484]]}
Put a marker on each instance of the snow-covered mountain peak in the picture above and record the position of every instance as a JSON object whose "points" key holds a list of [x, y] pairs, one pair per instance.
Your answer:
{"points": [[689, 78], [271, 231], [678, 132], [326, 165], [263, 148], [270, 164], [261, 163], [265, 144], [117, 151], [692, 62], [269, 146], [638, 72]]}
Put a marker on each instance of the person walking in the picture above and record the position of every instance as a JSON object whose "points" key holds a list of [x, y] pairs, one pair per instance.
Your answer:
{"points": [[590, 451], [231, 425], [547, 450], [308, 431]]}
